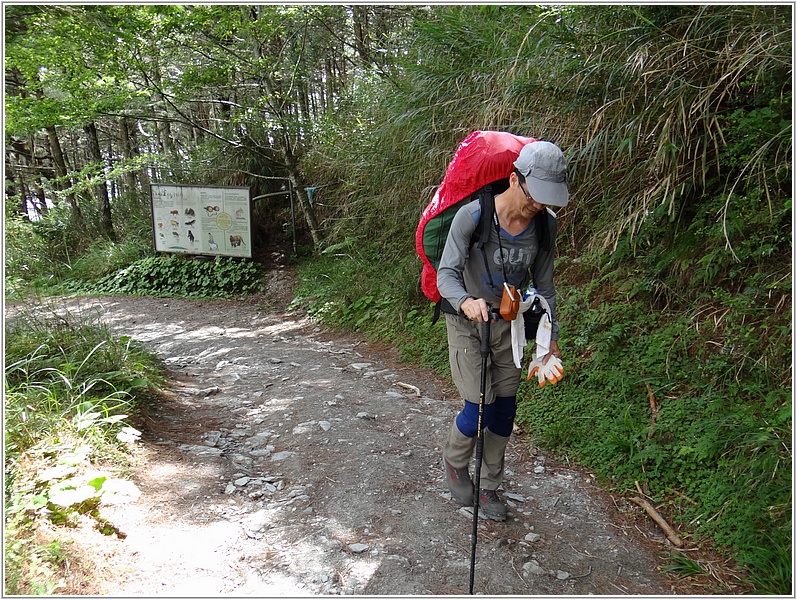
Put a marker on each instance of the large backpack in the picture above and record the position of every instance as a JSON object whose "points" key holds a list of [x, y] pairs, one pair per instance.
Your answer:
{"points": [[479, 169]]}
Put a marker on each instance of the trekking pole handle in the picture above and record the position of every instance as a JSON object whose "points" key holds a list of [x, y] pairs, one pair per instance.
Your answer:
{"points": [[484, 347]]}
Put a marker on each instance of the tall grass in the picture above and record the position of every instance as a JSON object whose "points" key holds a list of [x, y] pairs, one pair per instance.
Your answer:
{"points": [[41, 256], [674, 267], [71, 395], [670, 85]]}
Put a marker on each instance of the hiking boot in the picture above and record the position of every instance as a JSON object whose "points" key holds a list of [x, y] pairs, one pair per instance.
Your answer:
{"points": [[490, 505], [459, 483]]}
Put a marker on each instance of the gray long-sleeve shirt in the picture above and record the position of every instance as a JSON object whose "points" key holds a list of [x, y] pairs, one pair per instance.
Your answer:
{"points": [[462, 274]]}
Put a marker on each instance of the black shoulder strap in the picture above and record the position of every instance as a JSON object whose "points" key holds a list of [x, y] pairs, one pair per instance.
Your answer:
{"points": [[436, 314], [487, 204], [545, 223], [482, 233], [444, 306]]}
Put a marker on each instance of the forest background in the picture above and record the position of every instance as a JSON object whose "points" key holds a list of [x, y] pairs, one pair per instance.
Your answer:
{"points": [[674, 254]]}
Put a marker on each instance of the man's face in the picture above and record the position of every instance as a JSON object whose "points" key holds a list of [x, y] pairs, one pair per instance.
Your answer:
{"points": [[530, 207]]}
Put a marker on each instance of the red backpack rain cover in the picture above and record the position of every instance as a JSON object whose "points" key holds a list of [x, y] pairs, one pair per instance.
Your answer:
{"points": [[481, 158]]}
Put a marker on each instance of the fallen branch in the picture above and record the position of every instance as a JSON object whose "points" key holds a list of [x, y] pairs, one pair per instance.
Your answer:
{"points": [[684, 496], [587, 574], [668, 531], [410, 387]]}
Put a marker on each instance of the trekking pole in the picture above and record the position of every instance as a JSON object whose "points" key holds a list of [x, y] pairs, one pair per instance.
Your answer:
{"points": [[484, 350]]}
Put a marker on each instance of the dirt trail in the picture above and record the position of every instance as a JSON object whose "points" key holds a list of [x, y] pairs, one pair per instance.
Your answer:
{"points": [[289, 462]]}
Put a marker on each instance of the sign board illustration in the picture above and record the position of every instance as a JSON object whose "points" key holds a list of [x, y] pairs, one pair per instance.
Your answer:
{"points": [[195, 219]]}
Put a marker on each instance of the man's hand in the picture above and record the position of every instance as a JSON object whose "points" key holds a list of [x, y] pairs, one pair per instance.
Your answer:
{"points": [[475, 309], [549, 368], [554, 351]]}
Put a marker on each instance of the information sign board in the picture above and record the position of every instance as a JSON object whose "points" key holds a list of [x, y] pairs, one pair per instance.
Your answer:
{"points": [[195, 219]]}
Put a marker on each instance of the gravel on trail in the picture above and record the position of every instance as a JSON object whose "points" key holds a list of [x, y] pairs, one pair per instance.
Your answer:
{"points": [[287, 460]]}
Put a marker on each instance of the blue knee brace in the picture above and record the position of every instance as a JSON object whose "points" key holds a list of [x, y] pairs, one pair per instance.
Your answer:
{"points": [[468, 419], [499, 417], [503, 415]]}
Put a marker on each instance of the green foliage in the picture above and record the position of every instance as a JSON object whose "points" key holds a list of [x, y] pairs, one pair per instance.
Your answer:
{"points": [[362, 292], [420, 342], [38, 253], [771, 566], [41, 255], [104, 257], [683, 566], [221, 277], [81, 69], [69, 368], [340, 288], [70, 390], [30, 568], [719, 429], [662, 143]]}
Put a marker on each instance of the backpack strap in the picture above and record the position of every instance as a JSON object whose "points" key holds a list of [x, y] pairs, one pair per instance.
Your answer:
{"points": [[442, 305], [478, 238], [482, 233], [545, 222]]}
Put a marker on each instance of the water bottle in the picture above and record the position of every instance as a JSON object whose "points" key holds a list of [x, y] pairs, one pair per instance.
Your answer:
{"points": [[536, 307], [532, 317]]}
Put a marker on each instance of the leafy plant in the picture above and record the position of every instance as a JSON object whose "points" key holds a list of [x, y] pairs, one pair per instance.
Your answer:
{"points": [[683, 566], [178, 276], [71, 391], [30, 568], [638, 408]]}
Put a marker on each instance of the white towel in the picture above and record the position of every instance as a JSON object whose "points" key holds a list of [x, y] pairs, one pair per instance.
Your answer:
{"points": [[544, 335], [519, 330], [543, 330], [518, 337]]}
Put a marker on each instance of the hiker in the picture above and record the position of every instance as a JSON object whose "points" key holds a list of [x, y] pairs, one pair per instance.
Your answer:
{"points": [[537, 180]]}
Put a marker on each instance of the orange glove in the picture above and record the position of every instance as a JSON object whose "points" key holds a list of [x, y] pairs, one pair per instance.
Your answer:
{"points": [[550, 372]]}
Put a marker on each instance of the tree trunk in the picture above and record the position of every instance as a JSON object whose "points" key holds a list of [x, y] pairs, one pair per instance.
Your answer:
{"points": [[16, 176], [165, 137], [282, 145], [163, 126], [76, 216], [307, 209], [330, 86], [135, 150], [360, 16], [127, 153], [304, 202], [41, 197], [100, 189]]}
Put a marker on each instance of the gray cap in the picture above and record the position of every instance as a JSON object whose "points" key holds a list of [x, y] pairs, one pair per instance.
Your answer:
{"points": [[543, 166]]}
